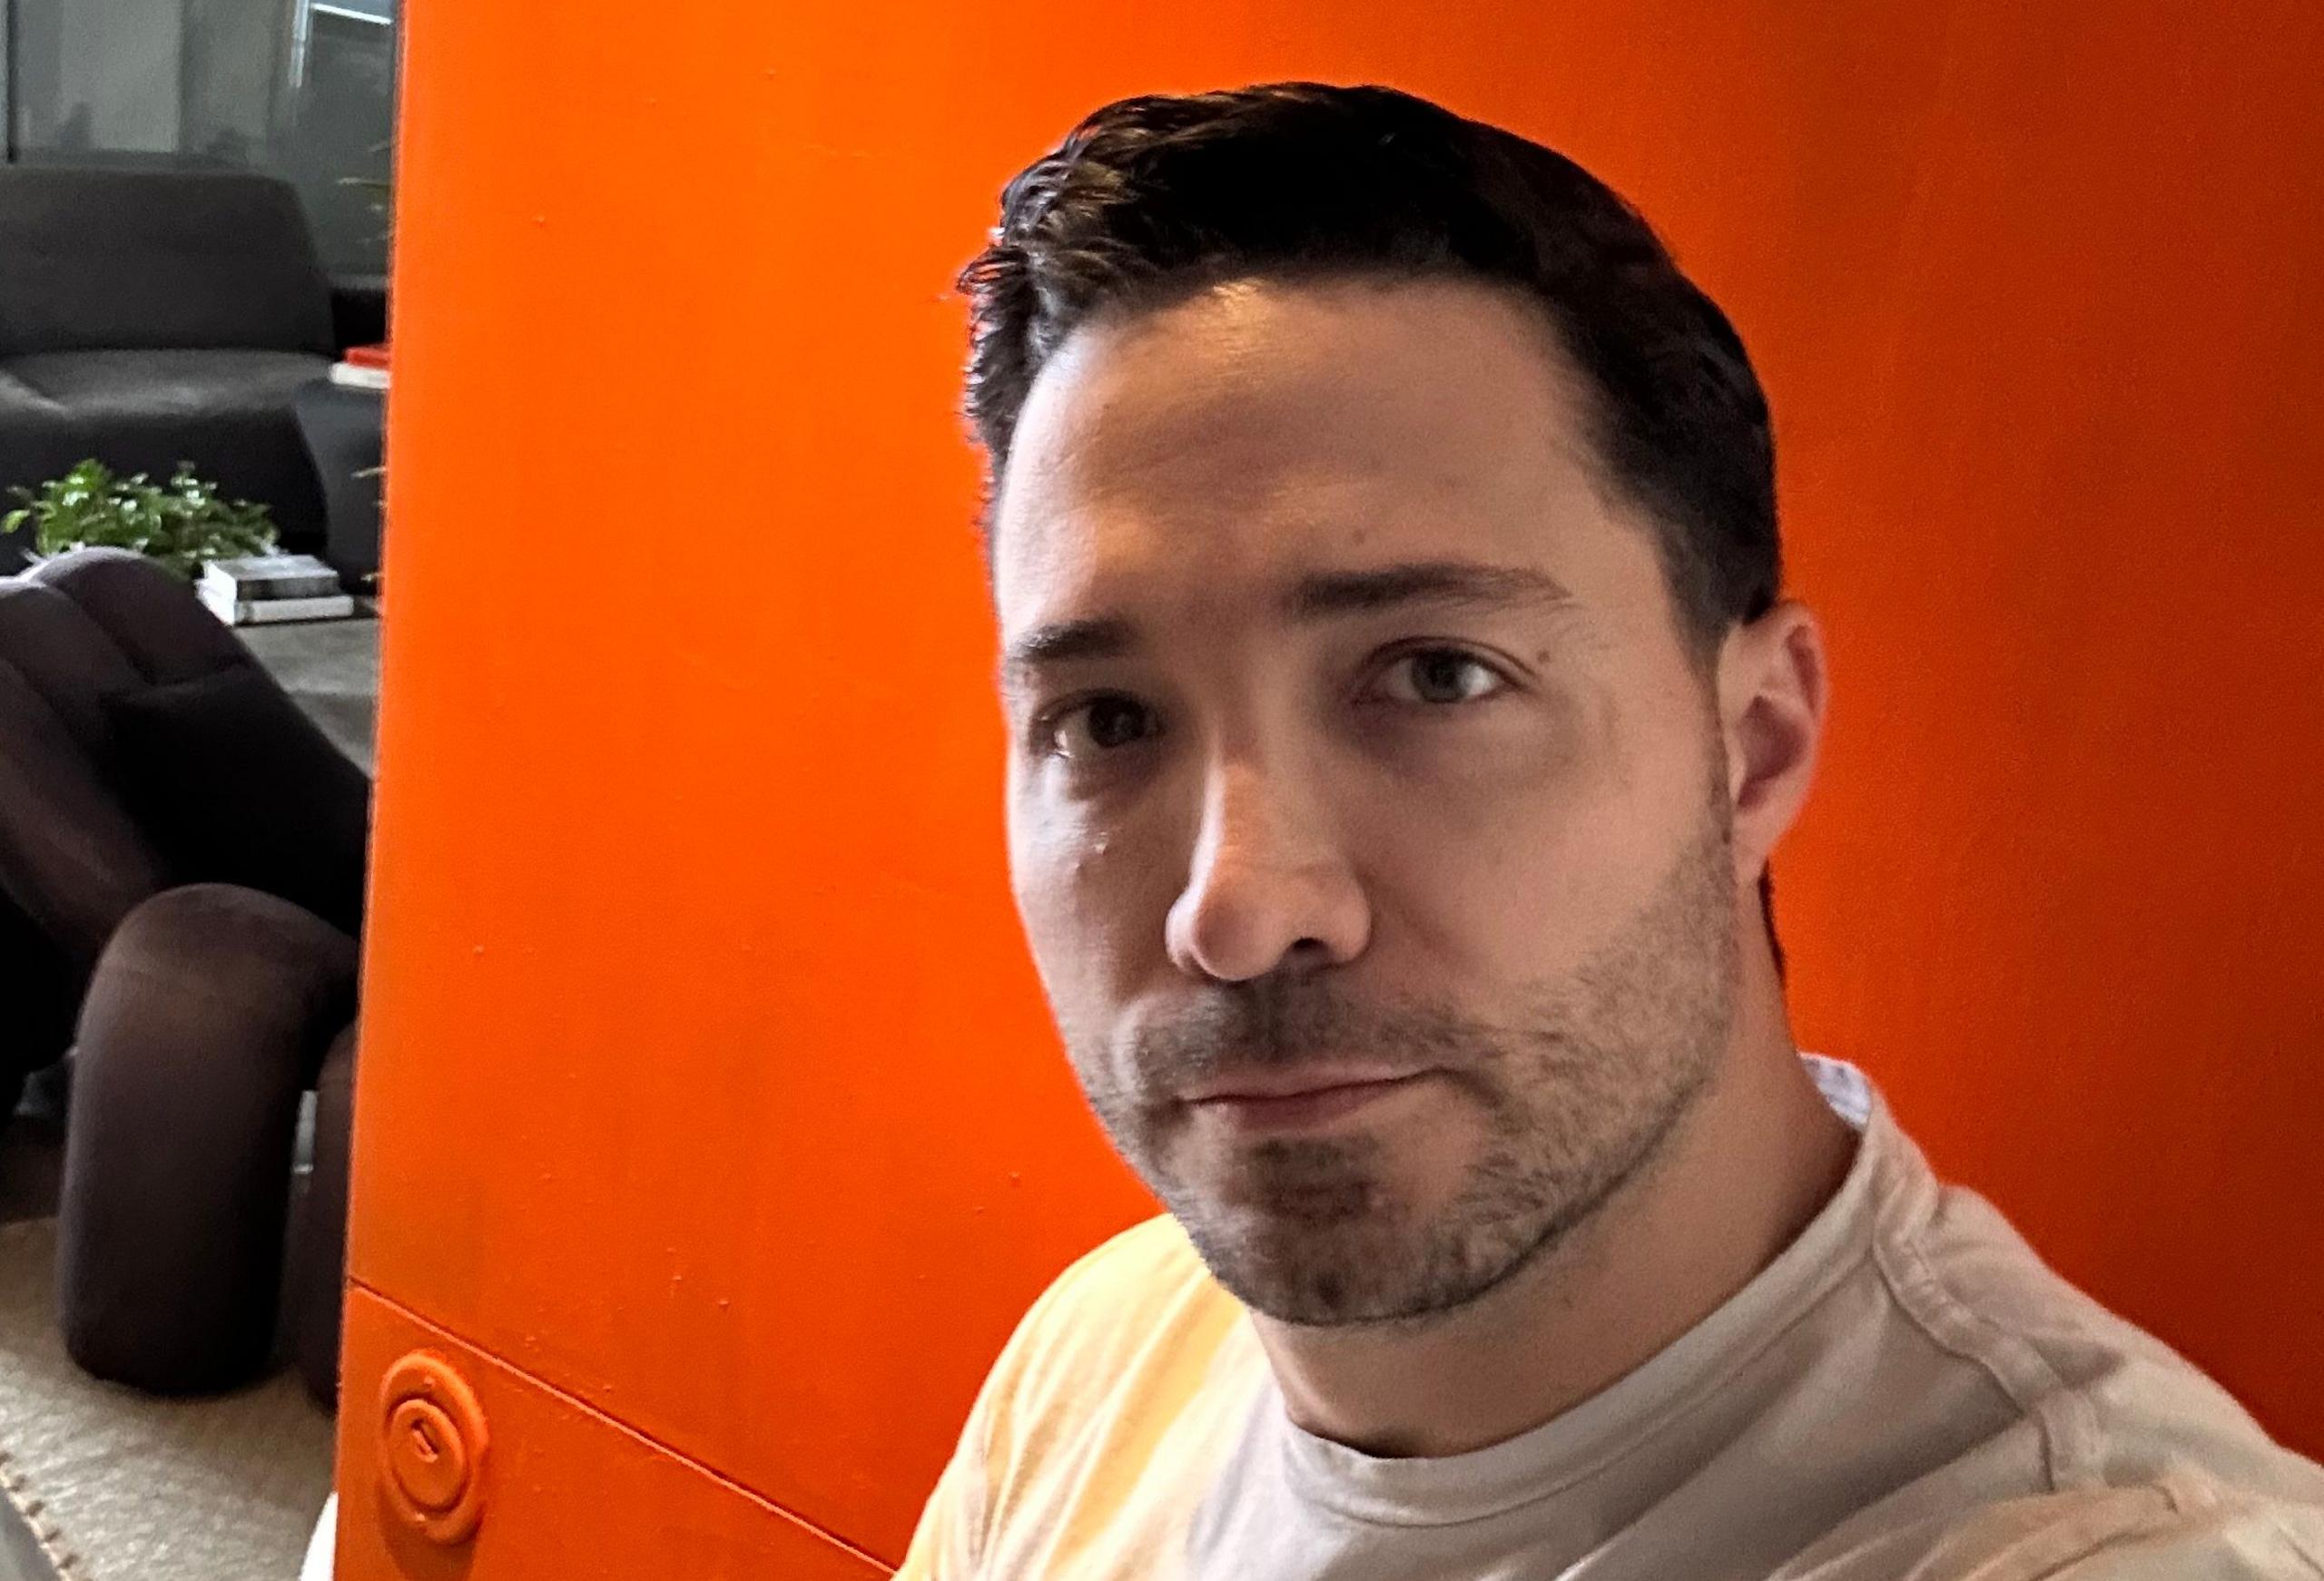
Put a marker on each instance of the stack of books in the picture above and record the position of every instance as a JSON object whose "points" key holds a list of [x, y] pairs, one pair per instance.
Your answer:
{"points": [[250, 589], [362, 367]]}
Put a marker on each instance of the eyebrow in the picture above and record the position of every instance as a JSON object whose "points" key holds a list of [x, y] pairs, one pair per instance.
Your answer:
{"points": [[1439, 584], [1444, 583], [1066, 642]]}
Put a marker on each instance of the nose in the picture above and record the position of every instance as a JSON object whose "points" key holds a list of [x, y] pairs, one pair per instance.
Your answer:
{"points": [[1268, 886]]}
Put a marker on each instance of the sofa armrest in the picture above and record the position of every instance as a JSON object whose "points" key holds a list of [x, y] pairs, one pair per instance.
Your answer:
{"points": [[359, 310], [210, 1013]]}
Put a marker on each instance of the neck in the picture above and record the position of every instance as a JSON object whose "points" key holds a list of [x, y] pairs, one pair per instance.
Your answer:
{"points": [[1755, 1158]]}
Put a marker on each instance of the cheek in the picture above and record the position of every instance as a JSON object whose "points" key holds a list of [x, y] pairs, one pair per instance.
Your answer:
{"points": [[1083, 895], [1046, 855], [1494, 855], [1480, 795]]}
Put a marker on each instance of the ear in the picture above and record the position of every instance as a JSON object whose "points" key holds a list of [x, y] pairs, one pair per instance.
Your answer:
{"points": [[1772, 691]]}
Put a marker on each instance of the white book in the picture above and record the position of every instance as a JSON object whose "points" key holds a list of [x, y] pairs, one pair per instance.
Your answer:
{"points": [[220, 601], [354, 378], [250, 577]]}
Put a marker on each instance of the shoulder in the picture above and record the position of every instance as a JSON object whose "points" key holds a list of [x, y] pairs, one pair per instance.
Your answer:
{"points": [[2113, 1407], [2208, 1534], [1132, 1359], [1135, 1327], [1119, 1344], [2182, 1526], [2117, 1406], [2101, 1455], [1142, 1287]]}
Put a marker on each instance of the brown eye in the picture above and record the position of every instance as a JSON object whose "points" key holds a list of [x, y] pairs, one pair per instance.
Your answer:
{"points": [[1440, 676], [1103, 724]]}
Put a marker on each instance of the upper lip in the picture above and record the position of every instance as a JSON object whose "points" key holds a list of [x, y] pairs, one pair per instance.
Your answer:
{"points": [[1291, 1084]]}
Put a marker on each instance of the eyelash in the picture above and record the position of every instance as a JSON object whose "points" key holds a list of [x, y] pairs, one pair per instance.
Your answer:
{"points": [[1048, 725], [1502, 680]]}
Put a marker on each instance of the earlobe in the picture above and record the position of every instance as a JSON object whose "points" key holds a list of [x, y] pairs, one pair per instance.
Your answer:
{"points": [[1773, 693]]}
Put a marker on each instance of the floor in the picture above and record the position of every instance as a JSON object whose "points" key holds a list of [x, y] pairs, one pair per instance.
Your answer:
{"points": [[32, 1160], [221, 1487], [21, 1558]]}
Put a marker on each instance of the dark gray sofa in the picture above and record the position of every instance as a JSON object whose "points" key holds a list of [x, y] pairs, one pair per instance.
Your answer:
{"points": [[153, 317]]}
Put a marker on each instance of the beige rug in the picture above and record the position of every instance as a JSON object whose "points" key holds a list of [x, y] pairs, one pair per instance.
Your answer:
{"points": [[133, 1488]]}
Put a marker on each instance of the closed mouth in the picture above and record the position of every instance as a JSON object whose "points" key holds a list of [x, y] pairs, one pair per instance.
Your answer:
{"points": [[1289, 1084]]}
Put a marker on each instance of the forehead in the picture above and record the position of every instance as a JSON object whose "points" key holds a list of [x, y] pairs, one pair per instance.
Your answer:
{"points": [[1261, 431]]}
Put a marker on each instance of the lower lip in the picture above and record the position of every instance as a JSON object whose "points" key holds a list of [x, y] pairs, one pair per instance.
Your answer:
{"points": [[1302, 1110]]}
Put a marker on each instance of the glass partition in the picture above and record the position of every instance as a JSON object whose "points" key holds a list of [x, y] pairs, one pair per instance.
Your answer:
{"points": [[304, 89]]}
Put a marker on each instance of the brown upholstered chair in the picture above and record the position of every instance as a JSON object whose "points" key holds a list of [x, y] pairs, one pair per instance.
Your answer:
{"points": [[182, 872]]}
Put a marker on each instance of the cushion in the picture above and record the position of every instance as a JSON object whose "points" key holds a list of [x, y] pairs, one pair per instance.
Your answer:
{"points": [[152, 617], [160, 385], [39, 439], [230, 412], [236, 786], [20, 403], [71, 855], [120, 257], [53, 642]]}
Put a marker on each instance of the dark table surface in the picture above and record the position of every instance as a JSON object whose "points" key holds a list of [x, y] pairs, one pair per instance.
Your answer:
{"points": [[331, 671]]}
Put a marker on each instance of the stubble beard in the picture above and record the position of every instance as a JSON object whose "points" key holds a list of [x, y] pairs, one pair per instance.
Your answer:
{"points": [[1576, 1092]]}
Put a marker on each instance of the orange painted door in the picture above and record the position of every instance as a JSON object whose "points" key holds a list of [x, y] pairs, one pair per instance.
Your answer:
{"points": [[710, 1123]]}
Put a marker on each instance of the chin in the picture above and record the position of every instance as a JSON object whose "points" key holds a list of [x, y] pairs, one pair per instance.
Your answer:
{"points": [[1334, 1234], [1309, 1240], [1297, 1275]]}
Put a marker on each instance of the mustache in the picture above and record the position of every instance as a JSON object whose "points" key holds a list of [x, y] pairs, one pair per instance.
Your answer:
{"points": [[1274, 1024]]}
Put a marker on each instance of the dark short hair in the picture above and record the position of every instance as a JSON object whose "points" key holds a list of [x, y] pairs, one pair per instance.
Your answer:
{"points": [[1153, 199]]}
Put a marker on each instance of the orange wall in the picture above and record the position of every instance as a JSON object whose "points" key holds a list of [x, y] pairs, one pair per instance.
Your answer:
{"points": [[710, 1116]]}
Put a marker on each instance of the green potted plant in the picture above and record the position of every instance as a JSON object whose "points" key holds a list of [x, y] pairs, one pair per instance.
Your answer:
{"points": [[182, 524]]}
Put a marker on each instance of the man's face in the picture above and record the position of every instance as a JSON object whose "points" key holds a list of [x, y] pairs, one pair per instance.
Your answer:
{"points": [[1367, 815]]}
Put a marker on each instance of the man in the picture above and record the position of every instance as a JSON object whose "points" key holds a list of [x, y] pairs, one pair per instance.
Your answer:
{"points": [[1405, 707]]}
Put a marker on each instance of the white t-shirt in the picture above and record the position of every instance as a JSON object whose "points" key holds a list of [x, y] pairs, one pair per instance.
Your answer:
{"points": [[1905, 1394]]}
